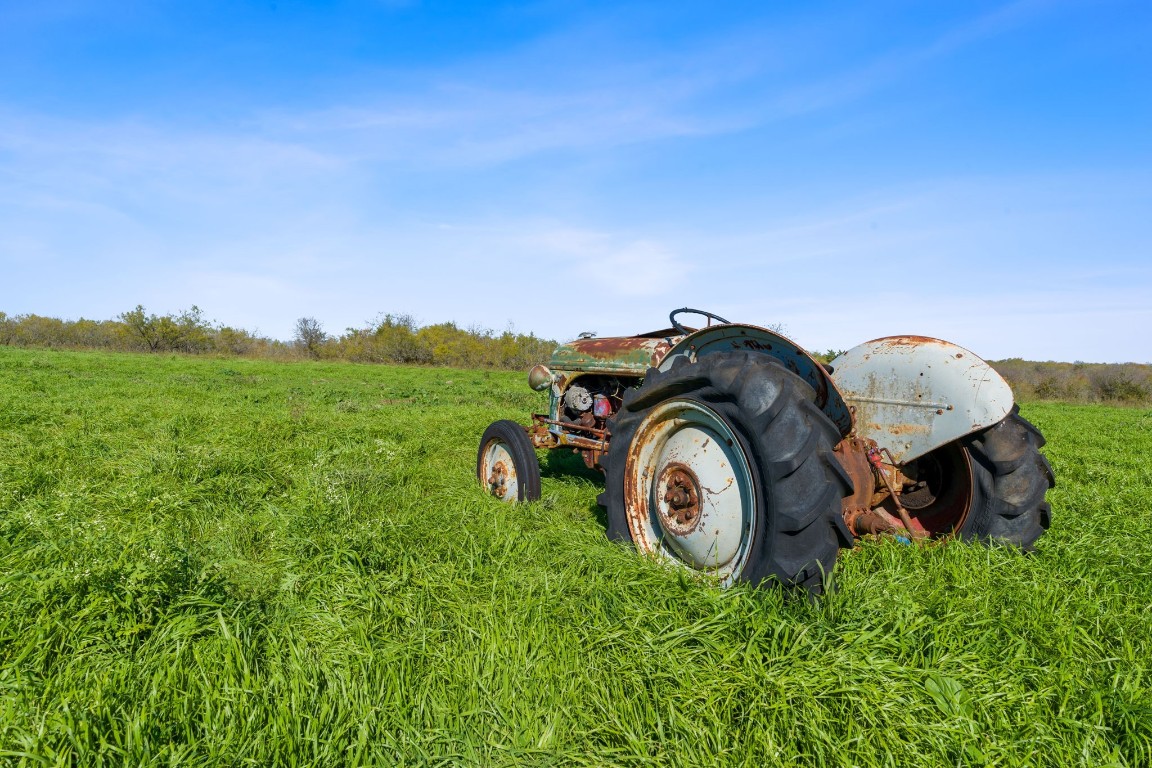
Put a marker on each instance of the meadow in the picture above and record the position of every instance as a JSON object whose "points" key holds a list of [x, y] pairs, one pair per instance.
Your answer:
{"points": [[244, 562]]}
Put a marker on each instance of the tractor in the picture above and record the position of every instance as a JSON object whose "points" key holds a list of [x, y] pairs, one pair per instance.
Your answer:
{"points": [[730, 451]]}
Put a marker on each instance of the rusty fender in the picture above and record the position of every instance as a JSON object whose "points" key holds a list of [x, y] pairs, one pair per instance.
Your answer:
{"points": [[913, 394]]}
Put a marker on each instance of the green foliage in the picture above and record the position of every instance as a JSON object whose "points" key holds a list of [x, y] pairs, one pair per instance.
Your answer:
{"points": [[828, 355], [1119, 383], [225, 561], [185, 332], [387, 339], [398, 339]]}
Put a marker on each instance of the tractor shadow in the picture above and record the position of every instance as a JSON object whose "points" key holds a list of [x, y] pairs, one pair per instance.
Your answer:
{"points": [[564, 465]]}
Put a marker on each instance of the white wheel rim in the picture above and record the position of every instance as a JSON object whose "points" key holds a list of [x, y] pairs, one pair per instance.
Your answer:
{"points": [[688, 490], [498, 472]]}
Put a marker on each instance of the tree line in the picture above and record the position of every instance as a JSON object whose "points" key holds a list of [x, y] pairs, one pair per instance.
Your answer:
{"points": [[1124, 383], [399, 339], [386, 339]]}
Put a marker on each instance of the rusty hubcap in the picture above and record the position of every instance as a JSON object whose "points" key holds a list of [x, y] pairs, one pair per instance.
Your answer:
{"points": [[499, 471], [496, 479], [681, 508]]}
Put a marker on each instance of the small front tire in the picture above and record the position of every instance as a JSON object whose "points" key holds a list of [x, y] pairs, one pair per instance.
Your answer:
{"points": [[506, 463]]}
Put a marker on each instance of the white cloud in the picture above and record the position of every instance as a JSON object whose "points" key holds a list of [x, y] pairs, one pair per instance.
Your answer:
{"points": [[607, 264]]}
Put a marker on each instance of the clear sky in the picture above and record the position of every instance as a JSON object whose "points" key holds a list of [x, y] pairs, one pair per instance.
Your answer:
{"points": [[976, 171]]}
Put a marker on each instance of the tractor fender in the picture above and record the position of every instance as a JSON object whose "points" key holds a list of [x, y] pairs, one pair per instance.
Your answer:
{"points": [[737, 337], [913, 394]]}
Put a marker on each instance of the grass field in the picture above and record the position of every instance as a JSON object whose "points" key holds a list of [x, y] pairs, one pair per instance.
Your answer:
{"points": [[228, 562]]}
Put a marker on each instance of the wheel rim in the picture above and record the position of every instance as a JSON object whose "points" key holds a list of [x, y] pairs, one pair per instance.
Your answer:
{"points": [[689, 490], [498, 471], [940, 497]]}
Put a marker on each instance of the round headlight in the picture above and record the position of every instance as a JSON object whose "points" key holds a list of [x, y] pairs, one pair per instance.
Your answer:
{"points": [[540, 378]]}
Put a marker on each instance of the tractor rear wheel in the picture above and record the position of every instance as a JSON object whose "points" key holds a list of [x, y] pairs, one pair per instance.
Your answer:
{"points": [[506, 463], [724, 466], [1010, 478], [988, 486]]}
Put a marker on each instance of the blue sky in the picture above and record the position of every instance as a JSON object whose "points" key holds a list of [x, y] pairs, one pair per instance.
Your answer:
{"points": [[976, 171]]}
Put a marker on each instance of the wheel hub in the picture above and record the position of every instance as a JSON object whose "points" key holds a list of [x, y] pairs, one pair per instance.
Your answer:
{"points": [[938, 490], [680, 510], [496, 480]]}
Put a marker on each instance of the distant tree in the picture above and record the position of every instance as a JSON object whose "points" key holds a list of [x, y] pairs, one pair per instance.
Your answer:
{"points": [[190, 332], [185, 332], [143, 326], [8, 327], [233, 341], [310, 336]]}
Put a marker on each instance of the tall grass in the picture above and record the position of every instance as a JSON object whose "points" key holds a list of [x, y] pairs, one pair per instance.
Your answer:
{"points": [[250, 563]]}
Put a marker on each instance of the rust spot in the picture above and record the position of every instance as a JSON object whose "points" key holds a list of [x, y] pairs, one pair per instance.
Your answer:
{"points": [[862, 521], [852, 455], [498, 479], [623, 351], [906, 341], [906, 429], [681, 508]]}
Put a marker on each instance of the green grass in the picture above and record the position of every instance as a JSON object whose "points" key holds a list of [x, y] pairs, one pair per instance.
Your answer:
{"points": [[229, 562]]}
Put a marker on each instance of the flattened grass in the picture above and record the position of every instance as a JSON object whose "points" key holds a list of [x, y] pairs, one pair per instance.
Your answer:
{"points": [[228, 562]]}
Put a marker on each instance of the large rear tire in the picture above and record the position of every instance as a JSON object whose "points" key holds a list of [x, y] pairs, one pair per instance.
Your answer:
{"points": [[1009, 480], [988, 486], [725, 467]]}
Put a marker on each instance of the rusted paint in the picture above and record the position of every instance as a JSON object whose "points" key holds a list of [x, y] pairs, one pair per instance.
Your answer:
{"points": [[852, 455], [682, 497], [618, 355], [876, 505], [498, 471], [498, 477], [540, 378], [905, 341], [871, 521], [541, 418], [540, 435], [915, 531], [937, 490], [913, 394], [907, 429], [688, 490]]}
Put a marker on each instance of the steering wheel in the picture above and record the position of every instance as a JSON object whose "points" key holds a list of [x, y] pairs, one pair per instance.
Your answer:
{"points": [[672, 318]]}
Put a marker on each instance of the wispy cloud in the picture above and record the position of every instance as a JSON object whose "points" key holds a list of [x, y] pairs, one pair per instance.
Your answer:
{"points": [[861, 78]]}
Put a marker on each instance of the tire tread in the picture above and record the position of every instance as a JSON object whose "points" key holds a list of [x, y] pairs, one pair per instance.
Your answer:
{"points": [[790, 440]]}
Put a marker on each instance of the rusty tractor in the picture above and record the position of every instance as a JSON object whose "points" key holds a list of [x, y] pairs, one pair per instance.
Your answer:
{"points": [[731, 451]]}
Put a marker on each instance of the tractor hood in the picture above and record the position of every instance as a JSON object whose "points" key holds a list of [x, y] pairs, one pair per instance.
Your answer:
{"points": [[629, 355]]}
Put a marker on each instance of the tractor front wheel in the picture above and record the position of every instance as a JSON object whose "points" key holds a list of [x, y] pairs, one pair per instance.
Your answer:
{"points": [[506, 464], [724, 466]]}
